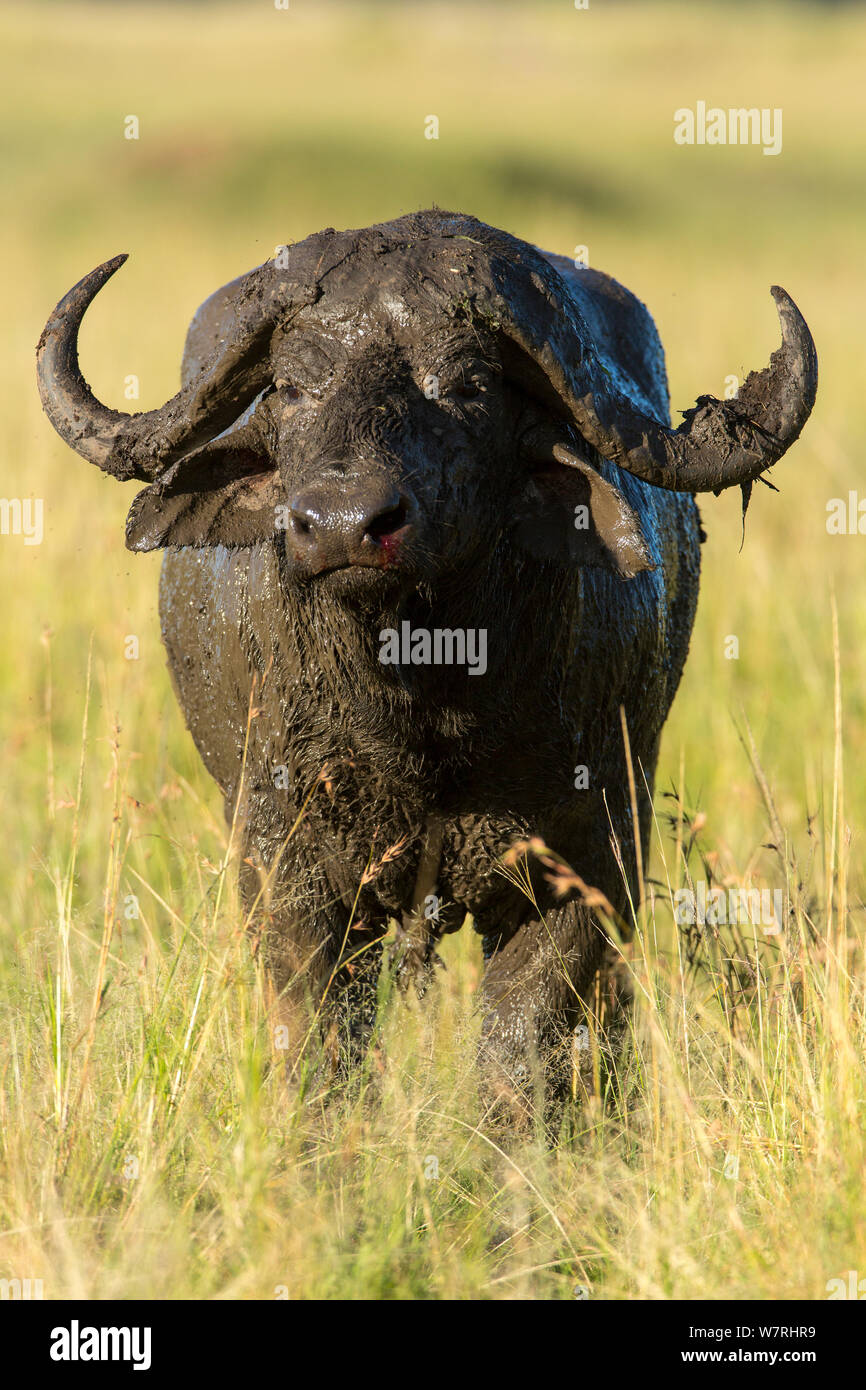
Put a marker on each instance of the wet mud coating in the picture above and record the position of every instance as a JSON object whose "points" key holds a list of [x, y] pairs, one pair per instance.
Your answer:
{"points": [[429, 429]]}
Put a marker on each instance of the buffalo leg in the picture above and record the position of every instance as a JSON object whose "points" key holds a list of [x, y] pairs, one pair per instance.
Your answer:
{"points": [[532, 994], [323, 969]]}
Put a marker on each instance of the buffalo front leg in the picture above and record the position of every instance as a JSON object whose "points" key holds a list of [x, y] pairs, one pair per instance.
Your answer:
{"points": [[537, 977], [323, 969]]}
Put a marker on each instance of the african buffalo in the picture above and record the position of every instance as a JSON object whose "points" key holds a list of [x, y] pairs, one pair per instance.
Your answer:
{"points": [[426, 432]]}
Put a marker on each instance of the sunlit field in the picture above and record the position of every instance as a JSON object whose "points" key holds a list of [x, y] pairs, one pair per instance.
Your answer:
{"points": [[149, 1145]]}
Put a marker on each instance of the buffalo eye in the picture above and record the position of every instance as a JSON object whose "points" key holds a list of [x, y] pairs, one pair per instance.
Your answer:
{"points": [[288, 391], [457, 380], [467, 390], [467, 387]]}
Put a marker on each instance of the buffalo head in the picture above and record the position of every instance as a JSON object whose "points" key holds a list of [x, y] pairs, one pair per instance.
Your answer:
{"points": [[394, 402]]}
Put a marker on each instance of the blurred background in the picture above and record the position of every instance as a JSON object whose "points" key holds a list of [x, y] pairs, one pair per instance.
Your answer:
{"points": [[147, 1145], [257, 126]]}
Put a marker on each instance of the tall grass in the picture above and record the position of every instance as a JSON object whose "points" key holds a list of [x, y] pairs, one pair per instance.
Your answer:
{"points": [[149, 1145]]}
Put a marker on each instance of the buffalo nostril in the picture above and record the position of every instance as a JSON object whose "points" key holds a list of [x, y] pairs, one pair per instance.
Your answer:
{"points": [[386, 523], [338, 523]]}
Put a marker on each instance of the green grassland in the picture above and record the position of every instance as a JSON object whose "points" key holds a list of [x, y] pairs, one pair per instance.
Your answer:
{"points": [[148, 1144]]}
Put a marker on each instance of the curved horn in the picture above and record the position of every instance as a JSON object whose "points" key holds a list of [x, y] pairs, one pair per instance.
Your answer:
{"points": [[720, 443], [141, 445]]}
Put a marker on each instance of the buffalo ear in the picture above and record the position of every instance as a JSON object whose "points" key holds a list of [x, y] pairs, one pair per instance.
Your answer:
{"points": [[570, 514], [225, 493]]}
